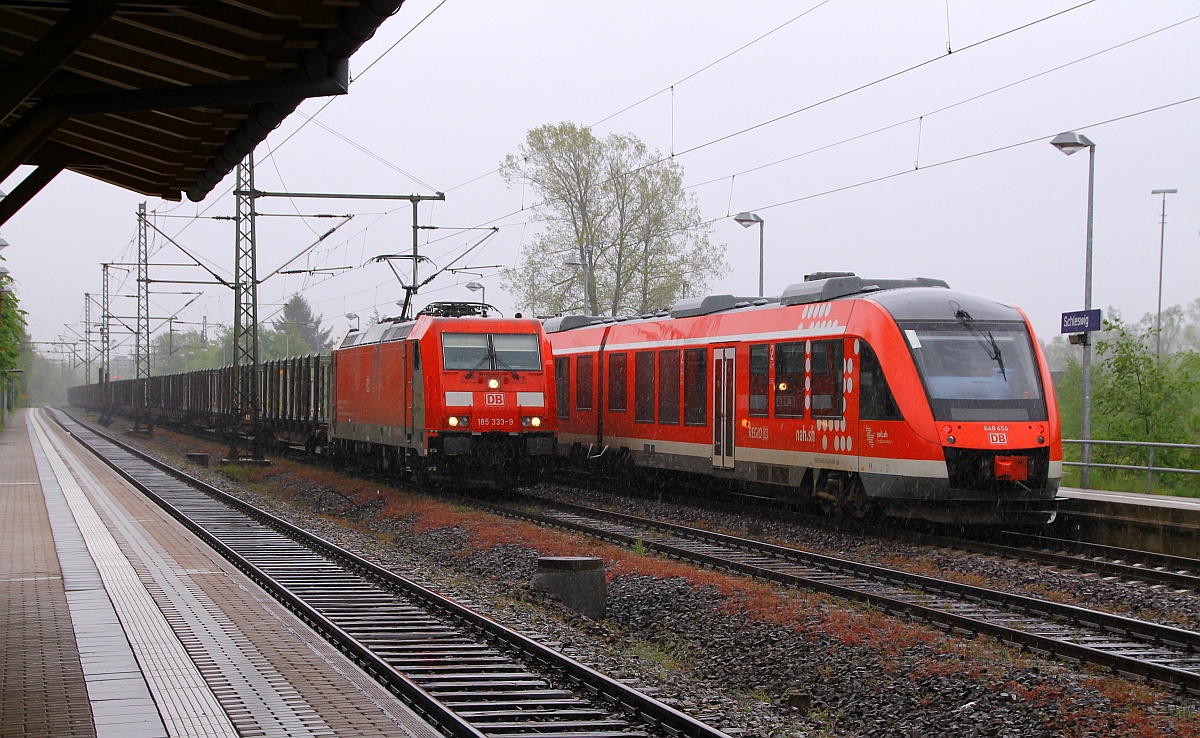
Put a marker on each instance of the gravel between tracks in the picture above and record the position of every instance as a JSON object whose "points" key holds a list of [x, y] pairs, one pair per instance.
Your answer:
{"points": [[816, 666]]}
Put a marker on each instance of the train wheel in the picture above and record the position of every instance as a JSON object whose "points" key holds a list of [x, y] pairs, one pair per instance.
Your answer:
{"points": [[842, 495]]}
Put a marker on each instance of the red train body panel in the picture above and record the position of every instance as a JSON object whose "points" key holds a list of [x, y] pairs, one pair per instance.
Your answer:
{"points": [[896, 394]]}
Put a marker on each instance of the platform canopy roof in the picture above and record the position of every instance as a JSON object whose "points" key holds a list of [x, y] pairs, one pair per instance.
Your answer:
{"points": [[163, 97]]}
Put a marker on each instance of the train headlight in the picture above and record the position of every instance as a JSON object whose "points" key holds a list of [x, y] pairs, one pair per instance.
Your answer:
{"points": [[783, 386], [459, 421], [950, 440], [493, 383], [531, 421]]}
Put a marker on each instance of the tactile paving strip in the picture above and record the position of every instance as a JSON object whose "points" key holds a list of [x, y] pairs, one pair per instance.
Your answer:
{"points": [[224, 658], [185, 704], [271, 673]]}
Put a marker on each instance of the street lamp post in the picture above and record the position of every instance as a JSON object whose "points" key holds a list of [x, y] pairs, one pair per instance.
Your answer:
{"points": [[353, 317], [746, 220], [1162, 235], [1069, 143], [575, 261], [477, 287]]}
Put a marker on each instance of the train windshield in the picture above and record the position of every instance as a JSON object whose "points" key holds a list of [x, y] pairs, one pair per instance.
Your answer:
{"points": [[977, 370], [473, 352]]}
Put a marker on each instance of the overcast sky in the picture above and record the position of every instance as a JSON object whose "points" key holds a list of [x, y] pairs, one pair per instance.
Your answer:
{"points": [[754, 100]]}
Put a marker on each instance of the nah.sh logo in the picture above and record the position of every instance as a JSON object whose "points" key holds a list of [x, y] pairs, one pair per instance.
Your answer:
{"points": [[494, 399]]}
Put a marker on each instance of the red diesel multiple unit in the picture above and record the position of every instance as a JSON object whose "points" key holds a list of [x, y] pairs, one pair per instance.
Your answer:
{"points": [[445, 393], [897, 395]]}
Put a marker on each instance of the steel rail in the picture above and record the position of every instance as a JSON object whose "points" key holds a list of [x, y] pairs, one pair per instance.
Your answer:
{"points": [[1107, 560], [603, 688], [1149, 635], [423, 703]]}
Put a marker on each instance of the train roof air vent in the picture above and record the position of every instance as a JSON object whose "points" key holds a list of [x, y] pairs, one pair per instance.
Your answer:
{"points": [[562, 323], [824, 286], [691, 306]]}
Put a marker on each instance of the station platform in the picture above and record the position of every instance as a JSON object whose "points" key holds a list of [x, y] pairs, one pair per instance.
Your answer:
{"points": [[119, 622], [1160, 523]]}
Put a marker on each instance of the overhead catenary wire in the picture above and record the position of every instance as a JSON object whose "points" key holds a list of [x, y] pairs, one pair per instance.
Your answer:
{"points": [[525, 222], [964, 101], [799, 110]]}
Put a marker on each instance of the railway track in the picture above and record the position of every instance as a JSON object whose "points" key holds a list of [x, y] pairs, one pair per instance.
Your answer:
{"points": [[1134, 647], [465, 673], [1132, 565], [1129, 564]]}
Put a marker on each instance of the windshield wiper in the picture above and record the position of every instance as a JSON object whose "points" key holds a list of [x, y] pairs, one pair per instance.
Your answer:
{"points": [[479, 364], [495, 360], [505, 365], [986, 340]]}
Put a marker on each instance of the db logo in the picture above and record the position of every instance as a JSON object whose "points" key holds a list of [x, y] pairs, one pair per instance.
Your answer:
{"points": [[494, 399], [998, 438]]}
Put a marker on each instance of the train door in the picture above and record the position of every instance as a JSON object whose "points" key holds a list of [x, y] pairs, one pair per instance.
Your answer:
{"points": [[406, 389], [723, 407]]}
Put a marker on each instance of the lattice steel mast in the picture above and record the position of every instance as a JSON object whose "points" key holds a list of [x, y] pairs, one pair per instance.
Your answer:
{"points": [[105, 350], [142, 342], [245, 319]]}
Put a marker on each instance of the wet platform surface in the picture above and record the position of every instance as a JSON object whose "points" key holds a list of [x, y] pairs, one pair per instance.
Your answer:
{"points": [[118, 622]]}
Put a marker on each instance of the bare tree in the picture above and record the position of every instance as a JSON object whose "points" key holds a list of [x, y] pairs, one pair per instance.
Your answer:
{"points": [[621, 235]]}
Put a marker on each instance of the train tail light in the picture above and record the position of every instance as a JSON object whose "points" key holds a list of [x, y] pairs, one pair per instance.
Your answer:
{"points": [[459, 421], [531, 421]]}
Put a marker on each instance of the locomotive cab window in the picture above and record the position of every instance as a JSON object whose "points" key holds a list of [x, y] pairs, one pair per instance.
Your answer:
{"points": [[827, 377], [517, 351], [491, 352], [760, 379], [789, 380], [464, 351]]}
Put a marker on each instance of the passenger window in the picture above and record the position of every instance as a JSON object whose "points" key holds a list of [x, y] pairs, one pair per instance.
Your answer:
{"points": [[695, 387], [668, 387], [617, 382], [583, 383], [760, 379], [827, 379], [643, 387], [562, 385], [789, 380], [876, 401]]}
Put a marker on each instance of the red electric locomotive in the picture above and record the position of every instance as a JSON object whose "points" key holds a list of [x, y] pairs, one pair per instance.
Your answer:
{"points": [[895, 395], [445, 392]]}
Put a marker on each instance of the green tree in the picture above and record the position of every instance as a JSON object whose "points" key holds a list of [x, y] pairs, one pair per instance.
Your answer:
{"points": [[301, 329], [12, 335], [616, 209], [1143, 397], [178, 351]]}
